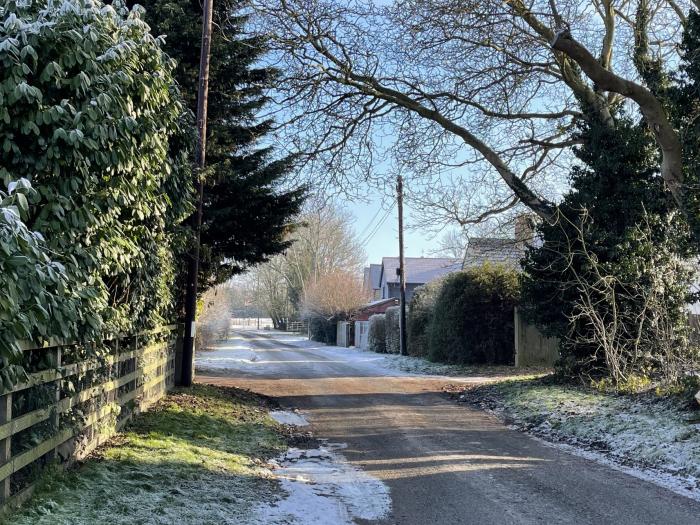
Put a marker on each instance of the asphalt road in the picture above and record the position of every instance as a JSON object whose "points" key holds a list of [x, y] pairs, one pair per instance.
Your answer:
{"points": [[446, 463]]}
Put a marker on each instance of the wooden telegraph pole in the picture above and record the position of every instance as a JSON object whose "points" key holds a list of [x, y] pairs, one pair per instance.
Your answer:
{"points": [[402, 269], [200, 158]]}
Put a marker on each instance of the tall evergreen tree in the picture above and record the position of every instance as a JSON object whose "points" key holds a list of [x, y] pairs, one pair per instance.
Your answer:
{"points": [[684, 102], [246, 211], [616, 191]]}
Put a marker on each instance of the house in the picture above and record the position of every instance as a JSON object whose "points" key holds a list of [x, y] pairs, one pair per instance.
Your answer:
{"points": [[498, 250], [356, 332], [419, 270], [371, 280], [375, 307], [480, 250]]}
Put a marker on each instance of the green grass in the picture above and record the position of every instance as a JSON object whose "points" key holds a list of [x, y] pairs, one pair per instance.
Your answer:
{"points": [[193, 458]]}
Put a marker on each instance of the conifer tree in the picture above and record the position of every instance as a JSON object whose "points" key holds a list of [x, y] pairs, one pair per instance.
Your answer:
{"points": [[246, 210], [615, 191]]}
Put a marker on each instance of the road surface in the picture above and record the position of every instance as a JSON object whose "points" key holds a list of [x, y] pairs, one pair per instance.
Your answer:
{"points": [[445, 463]]}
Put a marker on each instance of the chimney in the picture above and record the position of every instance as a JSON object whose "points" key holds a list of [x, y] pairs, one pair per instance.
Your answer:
{"points": [[524, 229]]}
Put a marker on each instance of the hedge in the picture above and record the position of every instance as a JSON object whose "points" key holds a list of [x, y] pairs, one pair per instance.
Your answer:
{"points": [[323, 330], [420, 315], [377, 333], [392, 330], [472, 321]]}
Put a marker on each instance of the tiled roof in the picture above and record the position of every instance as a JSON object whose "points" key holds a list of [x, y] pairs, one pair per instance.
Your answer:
{"points": [[498, 251], [420, 270], [373, 276]]}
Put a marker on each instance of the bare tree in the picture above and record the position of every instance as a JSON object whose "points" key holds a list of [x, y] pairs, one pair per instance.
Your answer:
{"points": [[324, 244], [335, 294], [477, 100], [215, 317]]}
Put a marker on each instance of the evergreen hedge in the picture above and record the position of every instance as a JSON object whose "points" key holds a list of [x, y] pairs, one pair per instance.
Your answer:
{"points": [[377, 333], [420, 315], [392, 329], [323, 330], [95, 155], [472, 322]]}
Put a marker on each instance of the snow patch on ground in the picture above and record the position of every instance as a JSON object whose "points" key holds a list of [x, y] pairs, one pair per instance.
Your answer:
{"points": [[322, 488], [652, 438], [237, 354], [286, 417]]}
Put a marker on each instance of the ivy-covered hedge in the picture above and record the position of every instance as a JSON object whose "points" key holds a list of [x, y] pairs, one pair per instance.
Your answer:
{"points": [[472, 322], [89, 117]]}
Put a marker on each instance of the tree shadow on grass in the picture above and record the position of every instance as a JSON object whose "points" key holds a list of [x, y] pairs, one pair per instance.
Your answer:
{"points": [[195, 458]]}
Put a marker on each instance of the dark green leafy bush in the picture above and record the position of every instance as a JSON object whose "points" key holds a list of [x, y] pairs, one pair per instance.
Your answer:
{"points": [[420, 315], [377, 333], [473, 317], [323, 330], [95, 151], [91, 116], [610, 278]]}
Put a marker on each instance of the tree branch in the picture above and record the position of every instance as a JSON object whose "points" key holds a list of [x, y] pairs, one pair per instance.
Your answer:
{"points": [[650, 106]]}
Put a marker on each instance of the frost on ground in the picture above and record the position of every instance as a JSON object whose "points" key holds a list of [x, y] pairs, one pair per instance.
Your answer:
{"points": [[655, 436], [239, 354], [286, 417], [322, 488], [198, 457]]}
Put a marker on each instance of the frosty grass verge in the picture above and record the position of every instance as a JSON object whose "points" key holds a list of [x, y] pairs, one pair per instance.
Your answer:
{"points": [[647, 436], [204, 456]]}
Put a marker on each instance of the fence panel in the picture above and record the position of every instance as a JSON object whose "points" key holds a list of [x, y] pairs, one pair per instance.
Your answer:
{"points": [[74, 399], [531, 347]]}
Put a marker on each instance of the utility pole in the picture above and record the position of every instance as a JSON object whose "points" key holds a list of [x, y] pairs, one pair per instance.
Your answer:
{"points": [[402, 269], [257, 298], [200, 158]]}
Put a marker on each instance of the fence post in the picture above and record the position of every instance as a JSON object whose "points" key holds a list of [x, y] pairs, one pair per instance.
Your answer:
{"points": [[516, 334], [5, 444], [56, 417]]}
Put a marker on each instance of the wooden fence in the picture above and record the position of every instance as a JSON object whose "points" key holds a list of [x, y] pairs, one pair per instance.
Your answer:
{"points": [[76, 397], [297, 326]]}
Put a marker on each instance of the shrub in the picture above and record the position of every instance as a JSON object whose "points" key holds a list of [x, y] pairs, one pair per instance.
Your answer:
{"points": [[420, 314], [214, 316], [323, 330], [392, 329], [610, 277], [91, 116], [473, 317], [37, 300], [376, 339]]}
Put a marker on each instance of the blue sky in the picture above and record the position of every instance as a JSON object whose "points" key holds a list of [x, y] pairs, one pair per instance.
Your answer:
{"points": [[384, 242]]}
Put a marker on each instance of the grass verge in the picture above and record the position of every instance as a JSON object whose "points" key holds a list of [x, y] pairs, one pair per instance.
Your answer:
{"points": [[196, 457], [644, 431]]}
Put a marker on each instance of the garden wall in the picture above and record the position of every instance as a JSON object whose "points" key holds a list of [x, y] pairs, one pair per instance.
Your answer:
{"points": [[75, 398], [531, 347]]}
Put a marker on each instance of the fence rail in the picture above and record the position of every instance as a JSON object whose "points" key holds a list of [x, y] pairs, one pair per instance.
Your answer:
{"points": [[297, 326], [72, 402]]}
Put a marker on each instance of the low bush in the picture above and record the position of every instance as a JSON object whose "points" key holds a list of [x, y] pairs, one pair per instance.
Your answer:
{"points": [[420, 314], [323, 330], [377, 333], [392, 329], [473, 317]]}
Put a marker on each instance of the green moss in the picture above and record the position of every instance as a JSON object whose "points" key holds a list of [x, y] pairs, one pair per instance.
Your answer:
{"points": [[192, 459]]}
